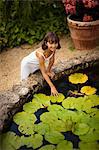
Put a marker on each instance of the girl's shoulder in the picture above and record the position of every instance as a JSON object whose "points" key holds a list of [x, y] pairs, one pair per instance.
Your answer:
{"points": [[40, 52]]}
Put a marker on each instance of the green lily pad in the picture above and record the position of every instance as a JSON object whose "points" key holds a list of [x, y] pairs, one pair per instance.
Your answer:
{"points": [[34, 141], [55, 107], [10, 141], [64, 145], [88, 146], [49, 117], [91, 136], [33, 106], [43, 99], [41, 128], [81, 129], [58, 98], [48, 147], [24, 118], [26, 129], [54, 137]]}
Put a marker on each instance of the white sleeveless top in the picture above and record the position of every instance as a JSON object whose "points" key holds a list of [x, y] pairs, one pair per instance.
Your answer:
{"points": [[30, 63]]}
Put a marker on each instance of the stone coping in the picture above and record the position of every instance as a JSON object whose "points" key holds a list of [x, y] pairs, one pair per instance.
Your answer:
{"points": [[12, 100]]}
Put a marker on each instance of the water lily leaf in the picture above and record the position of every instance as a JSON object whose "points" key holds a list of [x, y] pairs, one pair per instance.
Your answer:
{"points": [[58, 125], [88, 90], [26, 129], [69, 103], [34, 141], [33, 106], [49, 117], [88, 146], [91, 136], [10, 141], [54, 137], [48, 147], [78, 78], [81, 129], [58, 98], [55, 107], [42, 98], [41, 128], [24, 118], [64, 145]]}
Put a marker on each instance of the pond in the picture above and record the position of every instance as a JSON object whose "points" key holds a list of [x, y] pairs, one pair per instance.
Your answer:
{"points": [[69, 121]]}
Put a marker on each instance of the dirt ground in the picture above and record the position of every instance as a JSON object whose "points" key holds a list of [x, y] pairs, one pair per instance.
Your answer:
{"points": [[10, 60]]}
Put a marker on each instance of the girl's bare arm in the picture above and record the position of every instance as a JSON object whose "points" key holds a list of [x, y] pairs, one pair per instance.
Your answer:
{"points": [[51, 62], [46, 77]]}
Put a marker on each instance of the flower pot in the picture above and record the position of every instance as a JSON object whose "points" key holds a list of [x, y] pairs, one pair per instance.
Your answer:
{"points": [[85, 35]]}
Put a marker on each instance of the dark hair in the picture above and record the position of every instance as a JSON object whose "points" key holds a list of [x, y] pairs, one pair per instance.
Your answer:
{"points": [[50, 37]]}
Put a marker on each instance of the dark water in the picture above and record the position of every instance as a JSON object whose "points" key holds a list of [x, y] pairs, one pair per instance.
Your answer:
{"points": [[63, 86]]}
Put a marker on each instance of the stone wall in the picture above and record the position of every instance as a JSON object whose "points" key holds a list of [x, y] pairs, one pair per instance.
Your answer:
{"points": [[12, 100]]}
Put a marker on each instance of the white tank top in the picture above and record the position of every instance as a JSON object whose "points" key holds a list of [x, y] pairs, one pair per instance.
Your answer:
{"points": [[33, 59]]}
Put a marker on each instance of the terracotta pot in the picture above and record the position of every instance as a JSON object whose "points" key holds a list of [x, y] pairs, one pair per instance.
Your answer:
{"points": [[85, 35]]}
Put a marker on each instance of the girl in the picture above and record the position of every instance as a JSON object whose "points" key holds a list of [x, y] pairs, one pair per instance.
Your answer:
{"points": [[38, 58]]}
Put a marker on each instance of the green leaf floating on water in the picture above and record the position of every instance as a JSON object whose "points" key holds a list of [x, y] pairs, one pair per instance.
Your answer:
{"points": [[49, 117], [58, 98], [48, 147], [41, 128], [33, 106], [89, 146], [78, 78], [64, 145], [10, 141], [24, 118], [25, 121], [43, 99], [54, 137], [34, 141], [26, 129], [81, 103], [91, 136], [55, 107], [81, 129]]}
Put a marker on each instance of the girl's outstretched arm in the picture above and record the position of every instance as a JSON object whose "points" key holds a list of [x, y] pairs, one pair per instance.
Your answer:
{"points": [[45, 75]]}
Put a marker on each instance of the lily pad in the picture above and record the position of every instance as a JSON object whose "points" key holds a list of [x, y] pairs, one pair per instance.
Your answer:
{"points": [[88, 90], [54, 137], [58, 98], [43, 99], [48, 147], [64, 145], [81, 129], [34, 141], [88, 146], [24, 118], [33, 106], [10, 141], [78, 78], [41, 128]]}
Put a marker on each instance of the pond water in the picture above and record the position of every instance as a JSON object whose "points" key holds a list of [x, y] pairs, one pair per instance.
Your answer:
{"points": [[64, 123]]}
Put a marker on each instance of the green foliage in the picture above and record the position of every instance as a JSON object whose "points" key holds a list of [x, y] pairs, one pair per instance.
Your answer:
{"points": [[47, 147], [58, 98], [89, 146], [64, 145], [54, 137], [28, 21], [84, 122]]}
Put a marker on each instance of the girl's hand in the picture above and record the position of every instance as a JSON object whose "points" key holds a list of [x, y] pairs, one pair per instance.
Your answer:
{"points": [[54, 92], [51, 74]]}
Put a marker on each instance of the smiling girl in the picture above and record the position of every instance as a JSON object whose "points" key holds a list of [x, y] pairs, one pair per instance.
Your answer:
{"points": [[38, 58]]}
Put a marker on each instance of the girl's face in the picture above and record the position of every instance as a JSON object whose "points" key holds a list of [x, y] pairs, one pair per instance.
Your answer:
{"points": [[52, 46]]}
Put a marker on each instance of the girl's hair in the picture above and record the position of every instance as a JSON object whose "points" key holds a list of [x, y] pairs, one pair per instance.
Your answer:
{"points": [[50, 37]]}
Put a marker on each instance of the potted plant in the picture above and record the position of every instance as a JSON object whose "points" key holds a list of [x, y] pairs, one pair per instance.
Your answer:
{"points": [[83, 22]]}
